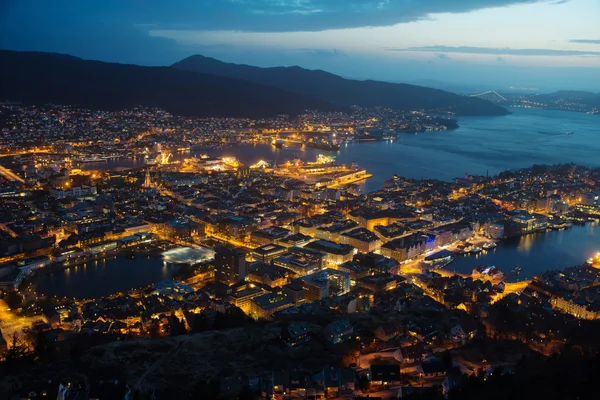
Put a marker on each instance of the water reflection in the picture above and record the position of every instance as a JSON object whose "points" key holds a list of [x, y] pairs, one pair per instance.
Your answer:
{"points": [[105, 277], [537, 252]]}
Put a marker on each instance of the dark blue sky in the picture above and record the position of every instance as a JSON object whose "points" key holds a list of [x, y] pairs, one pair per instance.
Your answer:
{"points": [[543, 43]]}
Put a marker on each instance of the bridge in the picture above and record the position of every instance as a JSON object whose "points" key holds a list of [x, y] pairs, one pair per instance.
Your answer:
{"points": [[489, 92]]}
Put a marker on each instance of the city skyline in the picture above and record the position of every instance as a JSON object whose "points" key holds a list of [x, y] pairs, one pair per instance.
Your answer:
{"points": [[544, 45]]}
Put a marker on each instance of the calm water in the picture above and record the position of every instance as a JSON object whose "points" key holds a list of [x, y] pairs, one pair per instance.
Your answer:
{"points": [[537, 252], [479, 146], [105, 277]]}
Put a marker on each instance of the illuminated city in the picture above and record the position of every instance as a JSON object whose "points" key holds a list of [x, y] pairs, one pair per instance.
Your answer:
{"points": [[367, 200]]}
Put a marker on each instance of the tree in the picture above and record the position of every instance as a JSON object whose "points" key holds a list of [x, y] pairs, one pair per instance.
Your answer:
{"points": [[14, 300], [363, 384]]}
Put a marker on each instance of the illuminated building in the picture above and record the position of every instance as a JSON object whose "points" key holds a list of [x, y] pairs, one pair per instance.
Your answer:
{"points": [[338, 331], [243, 293], [268, 252], [362, 239], [80, 191], [322, 284], [267, 274], [334, 253], [147, 179], [230, 265], [268, 235], [577, 307], [268, 304], [10, 277], [300, 261]]}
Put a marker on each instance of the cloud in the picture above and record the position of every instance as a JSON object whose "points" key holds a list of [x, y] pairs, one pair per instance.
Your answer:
{"points": [[499, 51], [255, 15], [324, 52], [585, 41]]}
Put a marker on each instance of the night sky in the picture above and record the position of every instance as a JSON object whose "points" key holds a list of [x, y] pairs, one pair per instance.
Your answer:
{"points": [[500, 43]]}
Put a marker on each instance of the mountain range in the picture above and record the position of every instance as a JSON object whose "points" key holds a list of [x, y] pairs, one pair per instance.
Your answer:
{"points": [[204, 87], [41, 78], [344, 92]]}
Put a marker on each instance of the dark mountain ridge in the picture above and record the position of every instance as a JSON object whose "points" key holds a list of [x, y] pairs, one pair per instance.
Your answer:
{"points": [[335, 89], [41, 78]]}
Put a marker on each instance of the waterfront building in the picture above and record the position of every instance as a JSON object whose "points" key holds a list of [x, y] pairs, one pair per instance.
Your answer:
{"points": [[494, 230], [31, 264], [405, 248], [61, 255], [10, 277], [447, 234], [183, 229], [230, 265], [172, 289], [102, 247]]}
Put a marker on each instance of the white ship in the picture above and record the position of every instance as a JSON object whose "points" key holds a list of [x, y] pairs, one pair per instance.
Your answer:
{"points": [[489, 246]]}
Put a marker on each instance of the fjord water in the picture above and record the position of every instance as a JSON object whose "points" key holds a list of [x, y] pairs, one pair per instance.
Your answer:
{"points": [[480, 145], [536, 252]]}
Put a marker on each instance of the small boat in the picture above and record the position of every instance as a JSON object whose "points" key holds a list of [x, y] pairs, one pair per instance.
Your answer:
{"points": [[489, 246], [569, 133], [476, 250], [517, 270]]}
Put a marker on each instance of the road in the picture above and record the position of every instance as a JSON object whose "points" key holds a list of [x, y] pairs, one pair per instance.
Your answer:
{"points": [[11, 324]]}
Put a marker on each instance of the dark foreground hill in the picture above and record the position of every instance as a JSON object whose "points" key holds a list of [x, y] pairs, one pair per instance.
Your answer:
{"points": [[341, 91], [40, 78]]}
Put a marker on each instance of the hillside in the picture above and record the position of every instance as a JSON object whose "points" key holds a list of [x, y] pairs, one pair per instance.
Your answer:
{"points": [[569, 96], [341, 91], [40, 78]]}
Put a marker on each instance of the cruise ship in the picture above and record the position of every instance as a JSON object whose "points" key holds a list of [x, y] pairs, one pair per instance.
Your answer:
{"points": [[324, 146], [93, 159]]}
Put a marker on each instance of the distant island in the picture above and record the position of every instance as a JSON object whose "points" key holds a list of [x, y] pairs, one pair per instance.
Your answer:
{"points": [[562, 100], [566, 100]]}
